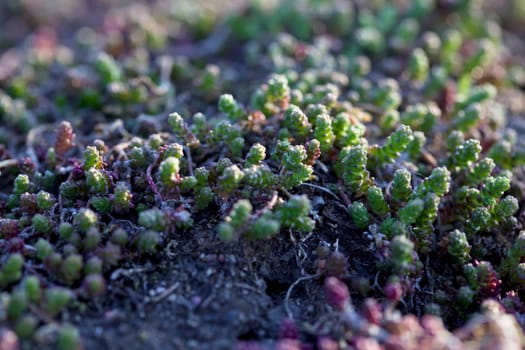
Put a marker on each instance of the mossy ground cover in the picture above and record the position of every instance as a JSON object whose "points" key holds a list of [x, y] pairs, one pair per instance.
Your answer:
{"points": [[305, 174]]}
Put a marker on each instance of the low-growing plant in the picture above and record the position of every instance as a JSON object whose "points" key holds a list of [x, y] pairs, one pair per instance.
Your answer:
{"points": [[378, 132]]}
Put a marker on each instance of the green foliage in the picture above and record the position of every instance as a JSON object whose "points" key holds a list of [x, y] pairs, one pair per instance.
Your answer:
{"points": [[360, 111], [418, 65], [401, 186], [72, 268], [92, 239], [230, 107], [377, 201], [43, 249], [466, 154], [241, 221], [359, 214], [392, 227], [512, 266], [11, 271], [203, 197], [85, 219], [96, 181], [256, 154], [479, 219], [94, 285], [152, 219], [173, 150], [108, 69], [438, 182], [451, 44], [92, 158], [122, 198], [264, 227], [389, 120], [44, 200], [458, 246], [481, 170], [294, 214], [21, 184], [295, 169], [296, 121], [370, 39], [387, 94], [435, 81], [260, 177], [148, 241], [313, 151], [231, 135], [65, 230], [31, 286], [56, 299], [16, 305], [507, 207], [26, 326], [477, 94], [396, 143], [402, 250], [323, 131], [230, 179], [353, 161], [480, 57], [234, 222], [240, 213], [68, 338], [465, 296], [169, 171], [41, 223], [278, 89], [467, 118], [415, 146], [177, 123], [454, 140], [404, 34], [180, 128], [493, 189], [421, 116], [411, 211]]}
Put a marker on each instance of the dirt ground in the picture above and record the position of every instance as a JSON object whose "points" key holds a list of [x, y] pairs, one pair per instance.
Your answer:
{"points": [[203, 294]]}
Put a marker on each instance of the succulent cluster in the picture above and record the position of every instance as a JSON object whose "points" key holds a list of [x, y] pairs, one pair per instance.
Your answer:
{"points": [[382, 109]]}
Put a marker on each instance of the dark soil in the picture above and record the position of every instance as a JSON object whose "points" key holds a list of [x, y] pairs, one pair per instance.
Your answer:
{"points": [[203, 294]]}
